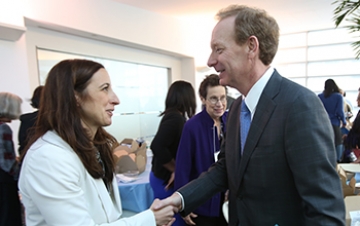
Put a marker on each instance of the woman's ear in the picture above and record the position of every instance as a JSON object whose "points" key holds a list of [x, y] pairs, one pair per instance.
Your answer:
{"points": [[78, 99]]}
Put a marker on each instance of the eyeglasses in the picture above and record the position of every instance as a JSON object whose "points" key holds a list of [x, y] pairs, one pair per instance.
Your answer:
{"points": [[214, 100]]}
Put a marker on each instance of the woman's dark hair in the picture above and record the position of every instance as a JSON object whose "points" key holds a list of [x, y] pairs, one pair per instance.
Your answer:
{"points": [[59, 112], [330, 88], [209, 81], [35, 99], [181, 97]]}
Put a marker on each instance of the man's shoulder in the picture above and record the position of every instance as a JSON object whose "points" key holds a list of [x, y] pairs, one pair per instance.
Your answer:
{"points": [[283, 90]]}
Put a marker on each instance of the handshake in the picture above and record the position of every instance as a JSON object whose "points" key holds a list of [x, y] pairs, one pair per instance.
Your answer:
{"points": [[164, 210]]}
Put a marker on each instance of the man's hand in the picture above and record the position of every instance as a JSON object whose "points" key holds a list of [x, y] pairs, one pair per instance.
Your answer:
{"points": [[173, 200], [164, 213]]}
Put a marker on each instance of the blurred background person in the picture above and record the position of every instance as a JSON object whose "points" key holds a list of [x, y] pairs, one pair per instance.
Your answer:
{"points": [[229, 101], [180, 104], [27, 121], [334, 105], [10, 208], [352, 139], [199, 147], [67, 174], [347, 111]]}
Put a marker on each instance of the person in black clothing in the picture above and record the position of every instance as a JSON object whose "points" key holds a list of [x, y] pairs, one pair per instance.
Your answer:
{"points": [[10, 208], [180, 104], [28, 120], [352, 139]]}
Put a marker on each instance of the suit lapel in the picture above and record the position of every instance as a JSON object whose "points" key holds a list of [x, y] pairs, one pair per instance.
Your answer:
{"points": [[264, 110], [233, 141]]}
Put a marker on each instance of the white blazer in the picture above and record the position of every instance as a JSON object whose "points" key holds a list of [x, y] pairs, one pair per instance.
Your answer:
{"points": [[56, 189]]}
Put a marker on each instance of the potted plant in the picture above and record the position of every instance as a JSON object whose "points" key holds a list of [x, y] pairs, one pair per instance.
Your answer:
{"points": [[349, 10]]}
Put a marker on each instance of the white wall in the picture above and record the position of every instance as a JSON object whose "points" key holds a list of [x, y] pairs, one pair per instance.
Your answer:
{"points": [[98, 19], [115, 23], [13, 75], [11, 12], [111, 19]]}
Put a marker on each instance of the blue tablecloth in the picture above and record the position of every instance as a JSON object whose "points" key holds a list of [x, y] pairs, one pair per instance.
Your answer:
{"points": [[137, 196]]}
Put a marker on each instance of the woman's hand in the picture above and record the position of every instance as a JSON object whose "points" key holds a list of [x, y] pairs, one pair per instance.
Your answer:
{"points": [[165, 214], [170, 183], [188, 219]]}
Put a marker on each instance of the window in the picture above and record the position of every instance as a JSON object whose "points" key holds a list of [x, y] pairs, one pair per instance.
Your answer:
{"points": [[310, 58], [140, 88]]}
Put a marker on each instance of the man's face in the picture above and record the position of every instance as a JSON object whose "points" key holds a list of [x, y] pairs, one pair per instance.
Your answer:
{"points": [[227, 57], [358, 99]]}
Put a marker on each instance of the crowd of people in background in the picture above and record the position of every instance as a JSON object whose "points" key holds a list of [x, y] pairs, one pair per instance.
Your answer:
{"points": [[199, 146], [334, 105], [10, 208], [180, 105], [65, 173]]}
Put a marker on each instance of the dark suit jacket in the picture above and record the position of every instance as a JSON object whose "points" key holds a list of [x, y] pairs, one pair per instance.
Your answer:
{"points": [[27, 121], [287, 173]]}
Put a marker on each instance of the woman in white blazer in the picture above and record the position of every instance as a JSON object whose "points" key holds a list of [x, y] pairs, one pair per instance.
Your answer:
{"points": [[67, 174]]}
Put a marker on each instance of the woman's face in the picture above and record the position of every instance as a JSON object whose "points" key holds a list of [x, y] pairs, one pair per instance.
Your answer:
{"points": [[97, 102], [215, 102]]}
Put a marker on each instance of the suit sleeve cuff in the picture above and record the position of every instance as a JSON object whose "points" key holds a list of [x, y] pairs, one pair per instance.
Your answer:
{"points": [[182, 201]]}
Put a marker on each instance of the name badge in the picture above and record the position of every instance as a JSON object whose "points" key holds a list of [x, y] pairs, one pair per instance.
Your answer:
{"points": [[216, 155]]}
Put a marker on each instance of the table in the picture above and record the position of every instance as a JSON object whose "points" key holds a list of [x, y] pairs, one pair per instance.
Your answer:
{"points": [[352, 203], [137, 196], [350, 167], [353, 169]]}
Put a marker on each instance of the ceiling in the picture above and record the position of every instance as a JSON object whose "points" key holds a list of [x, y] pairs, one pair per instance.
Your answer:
{"points": [[292, 15]]}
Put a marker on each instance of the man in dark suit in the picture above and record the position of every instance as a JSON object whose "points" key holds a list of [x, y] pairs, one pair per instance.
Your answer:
{"points": [[286, 172]]}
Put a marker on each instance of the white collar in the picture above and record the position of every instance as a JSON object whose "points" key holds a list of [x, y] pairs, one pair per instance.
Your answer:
{"points": [[255, 92]]}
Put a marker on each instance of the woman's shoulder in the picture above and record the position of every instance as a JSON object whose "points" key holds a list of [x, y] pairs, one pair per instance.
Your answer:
{"points": [[4, 127], [173, 115], [50, 147], [47, 156], [29, 116], [6, 132], [199, 121], [339, 96]]}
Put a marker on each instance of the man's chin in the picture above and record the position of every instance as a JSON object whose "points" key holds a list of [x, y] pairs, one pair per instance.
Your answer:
{"points": [[223, 82]]}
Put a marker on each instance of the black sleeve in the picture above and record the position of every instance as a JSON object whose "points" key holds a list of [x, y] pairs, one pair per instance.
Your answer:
{"points": [[167, 137]]}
